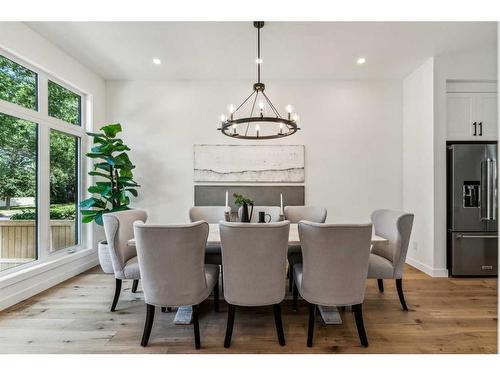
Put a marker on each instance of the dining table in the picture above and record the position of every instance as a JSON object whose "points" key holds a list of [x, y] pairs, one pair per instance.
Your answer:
{"points": [[329, 314]]}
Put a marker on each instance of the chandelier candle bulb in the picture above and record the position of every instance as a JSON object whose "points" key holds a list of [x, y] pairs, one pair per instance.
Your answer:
{"points": [[234, 129], [281, 127], [257, 129], [289, 110]]}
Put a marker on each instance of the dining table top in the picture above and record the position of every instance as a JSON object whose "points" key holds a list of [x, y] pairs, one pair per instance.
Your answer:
{"points": [[293, 237]]}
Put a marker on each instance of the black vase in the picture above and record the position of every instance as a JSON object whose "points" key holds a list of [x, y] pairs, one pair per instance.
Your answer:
{"points": [[245, 217]]}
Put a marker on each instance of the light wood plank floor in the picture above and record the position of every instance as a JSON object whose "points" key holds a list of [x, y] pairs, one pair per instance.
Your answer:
{"points": [[446, 316]]}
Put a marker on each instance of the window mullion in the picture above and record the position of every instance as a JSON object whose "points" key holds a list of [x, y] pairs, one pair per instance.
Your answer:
{"points": [[43, 191]]}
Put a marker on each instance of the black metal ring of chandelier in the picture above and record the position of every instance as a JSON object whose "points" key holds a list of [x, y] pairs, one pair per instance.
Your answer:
{"points": [[290, 125]]}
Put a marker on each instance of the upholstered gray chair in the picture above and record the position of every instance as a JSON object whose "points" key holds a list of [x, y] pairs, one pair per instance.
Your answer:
{"points": [[387, 260], [118, 227], [274, 211], [254, 261], [212, 215], [294, 214], [172, 263], [334, 269]]}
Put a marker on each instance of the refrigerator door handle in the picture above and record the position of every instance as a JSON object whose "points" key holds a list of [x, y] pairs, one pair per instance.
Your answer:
{"points": [[475, 236], [484, 191], [488, 189], [493, 180]]}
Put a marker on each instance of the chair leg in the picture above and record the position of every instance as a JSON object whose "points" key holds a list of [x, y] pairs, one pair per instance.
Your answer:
{"points": [[358, 315], [399, 287], [310, 329], [216, 296], [135, 285], [380, 283], [222, 278], [295, 297], [290, 277], [230, 322], [196, 326], [279, 324], [150, 315], [118, 288]]}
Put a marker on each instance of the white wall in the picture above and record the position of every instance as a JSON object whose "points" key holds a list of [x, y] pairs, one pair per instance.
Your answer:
{"points": [[477, 64], [19, 40], [424, 147], [418, 163], [351, 132]]}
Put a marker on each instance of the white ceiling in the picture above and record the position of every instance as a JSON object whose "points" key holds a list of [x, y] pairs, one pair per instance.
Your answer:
{"points": [[290, 50]]}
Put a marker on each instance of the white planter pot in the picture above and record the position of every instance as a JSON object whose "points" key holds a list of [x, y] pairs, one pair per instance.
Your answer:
{"points": [[104, 257]]}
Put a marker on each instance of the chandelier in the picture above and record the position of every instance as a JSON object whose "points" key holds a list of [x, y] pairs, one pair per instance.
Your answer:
{"points": [[264, 123]]}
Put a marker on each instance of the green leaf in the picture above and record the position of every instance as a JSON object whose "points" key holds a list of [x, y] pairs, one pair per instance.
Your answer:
{"points": [[110, 160], [98, 139], [133, 192], [103, 166], [111, 130], [95, 135], [96, 189], [98, 218], [87, 219], [87, 202], [94, 173], [89, 212], [95, 155]]}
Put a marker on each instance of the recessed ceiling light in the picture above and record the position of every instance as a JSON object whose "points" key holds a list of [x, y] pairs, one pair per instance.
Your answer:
{"points": [[156, 61], [360, 61]]}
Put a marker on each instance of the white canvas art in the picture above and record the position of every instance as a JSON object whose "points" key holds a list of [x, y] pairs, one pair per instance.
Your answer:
{"points": [[249, 163]]}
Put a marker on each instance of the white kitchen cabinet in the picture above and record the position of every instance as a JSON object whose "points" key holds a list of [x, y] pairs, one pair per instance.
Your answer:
{"points": [[471, 116]]}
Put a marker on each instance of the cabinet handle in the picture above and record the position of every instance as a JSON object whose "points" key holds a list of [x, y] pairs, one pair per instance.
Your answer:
{"points": [[481, 128], [475, 128]]}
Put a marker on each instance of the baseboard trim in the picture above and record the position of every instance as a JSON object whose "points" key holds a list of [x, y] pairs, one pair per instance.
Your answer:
{"points": [[433, 272], [18, 292]]}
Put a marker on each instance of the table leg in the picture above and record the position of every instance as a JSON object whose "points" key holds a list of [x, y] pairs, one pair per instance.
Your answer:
{"points": [[184, 315], [330, 314]]}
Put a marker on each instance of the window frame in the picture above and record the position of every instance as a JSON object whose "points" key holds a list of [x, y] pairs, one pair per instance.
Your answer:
{"points": [[45, 124]]}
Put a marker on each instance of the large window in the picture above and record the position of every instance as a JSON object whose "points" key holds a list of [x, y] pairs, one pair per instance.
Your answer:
{"points": [[64, 104], [18, 84], [40, 165], [63, 190], [18, 186]]}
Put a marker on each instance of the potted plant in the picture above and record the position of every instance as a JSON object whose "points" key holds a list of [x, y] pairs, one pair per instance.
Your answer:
{"points": [[244, 202], [114, 182]]}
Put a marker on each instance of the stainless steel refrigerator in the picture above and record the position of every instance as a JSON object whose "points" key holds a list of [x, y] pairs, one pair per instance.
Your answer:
{"points": [[472, 209]]}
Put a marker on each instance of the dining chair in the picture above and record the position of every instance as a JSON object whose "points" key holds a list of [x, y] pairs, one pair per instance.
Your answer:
{"points": [[334, 269], [387, 260], [254, 261], [212, 215], [274, 211], [173, 269], [294, 214], [118, 227]]}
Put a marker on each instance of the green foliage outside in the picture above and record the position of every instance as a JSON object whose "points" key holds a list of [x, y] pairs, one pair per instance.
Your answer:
{"points": [[64, 104], [17, 84], [114, 169], [18, 138], [57, 212], [18, 142]]}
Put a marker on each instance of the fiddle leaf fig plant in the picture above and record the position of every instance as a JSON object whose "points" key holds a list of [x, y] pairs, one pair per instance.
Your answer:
{"points": [[113, 170]]}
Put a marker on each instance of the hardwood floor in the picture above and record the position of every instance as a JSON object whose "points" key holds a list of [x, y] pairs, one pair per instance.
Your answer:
{"points": [[445, 316]]}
